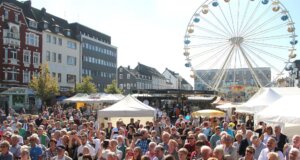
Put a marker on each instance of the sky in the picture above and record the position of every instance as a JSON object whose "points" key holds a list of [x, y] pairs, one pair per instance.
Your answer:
{"points": [[147, 31]]}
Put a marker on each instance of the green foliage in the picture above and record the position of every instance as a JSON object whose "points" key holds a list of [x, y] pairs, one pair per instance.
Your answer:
{"points": [[44, 85], [86, 86], [112, 88]]}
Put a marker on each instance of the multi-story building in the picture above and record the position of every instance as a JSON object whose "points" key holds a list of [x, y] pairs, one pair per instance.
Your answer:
{"points": [[158, 80], [21, 44], [176, 81], [61, 51], [242, 76], [99, 57], [130, 79]]}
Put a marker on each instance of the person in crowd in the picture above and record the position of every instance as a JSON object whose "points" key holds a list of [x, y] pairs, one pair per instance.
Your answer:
{"points": [[215, 137], [294, 154], [197, 153], [267, 134], [165, 140], [142, 142], [249, 154], [121, 145], [191, 144], [206, 152], [238, 140], [280, 138], [51, 151], [35, 150], [272, 156], [218, 153], [151, 151], [5, 153], [228, 148], [159, 152], [84, 142], [295, 144], [173, 148], [228, 130], [245, 143], [271, 147], [137, 153], [183, 154], [258, 145], [15, 147], [61, 154]]}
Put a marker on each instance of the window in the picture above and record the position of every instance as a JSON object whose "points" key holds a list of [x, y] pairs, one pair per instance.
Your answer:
{"points": [[53, 57], [53, 74], [48, 54], [71, 78], [26, 56], [121, 86], [32, 39], [59, 77], [5, 55], [60, 41], [128, 85], [128, 76], [6, 13], [33, 24], [45, 25], [71, 60], [14, 55], [16, 17], [36, 58], [26, 76], [56, 28], [121, 76], [54, 40], [48, 38], [59, 57], [71, 45]]}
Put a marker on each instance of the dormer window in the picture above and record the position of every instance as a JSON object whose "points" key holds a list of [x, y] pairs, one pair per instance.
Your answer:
{"points": [[45, 25], [32, 24], [68, 32], [56, 28]]}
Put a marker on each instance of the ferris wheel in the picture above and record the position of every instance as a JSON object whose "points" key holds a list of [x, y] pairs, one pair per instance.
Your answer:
{"points": [[239, 43]]}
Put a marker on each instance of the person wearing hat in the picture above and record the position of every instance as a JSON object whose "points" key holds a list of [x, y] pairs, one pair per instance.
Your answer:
{"points": [[5, 154], [61, 153]]}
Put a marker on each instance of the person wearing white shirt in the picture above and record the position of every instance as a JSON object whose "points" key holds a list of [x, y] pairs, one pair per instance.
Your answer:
{"points": [[271, 147], [83, 144]]}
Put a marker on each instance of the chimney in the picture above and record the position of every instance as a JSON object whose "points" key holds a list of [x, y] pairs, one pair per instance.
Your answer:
{"points": [[128, 67], [28, 4]]}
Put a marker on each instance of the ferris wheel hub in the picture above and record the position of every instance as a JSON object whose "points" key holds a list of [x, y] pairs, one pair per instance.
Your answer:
{"points": [[236, 40]]}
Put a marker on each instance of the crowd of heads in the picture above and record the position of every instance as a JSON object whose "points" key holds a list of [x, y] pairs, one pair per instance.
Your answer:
{"points": [[71, 134]]}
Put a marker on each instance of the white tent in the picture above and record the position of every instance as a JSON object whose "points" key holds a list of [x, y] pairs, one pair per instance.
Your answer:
{"points": [[80, 97], [259, 101], [227, 106], [284, 110], [126, 108]]}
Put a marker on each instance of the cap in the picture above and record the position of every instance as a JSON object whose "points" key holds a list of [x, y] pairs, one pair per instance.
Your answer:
{"points": [[61, 147]]}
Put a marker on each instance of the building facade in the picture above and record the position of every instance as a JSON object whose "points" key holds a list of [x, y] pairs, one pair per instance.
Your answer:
{"points": [[99, 57], [21, 44], [130, 80]]}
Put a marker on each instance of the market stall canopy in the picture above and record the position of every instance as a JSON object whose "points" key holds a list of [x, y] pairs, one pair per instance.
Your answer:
{"points": [[228, 106], [200, 98], [95, 98], [128, 107], [208, 113], [259, 101], [285, 110], [79, 97]]}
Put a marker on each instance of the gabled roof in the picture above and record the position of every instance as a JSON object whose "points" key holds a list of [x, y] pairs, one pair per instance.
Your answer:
{"points": [[183, 81], [131, 71], [172, 72], [149, 71]]}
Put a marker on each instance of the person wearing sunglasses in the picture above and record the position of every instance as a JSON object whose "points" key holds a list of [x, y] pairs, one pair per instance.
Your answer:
{"points": [[249, 153]]}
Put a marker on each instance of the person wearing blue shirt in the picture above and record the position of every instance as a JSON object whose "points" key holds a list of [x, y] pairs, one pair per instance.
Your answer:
{"points": [[35, 150], [227, 130]]}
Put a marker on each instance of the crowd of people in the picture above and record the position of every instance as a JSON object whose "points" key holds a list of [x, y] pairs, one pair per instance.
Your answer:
{"points": [[58, 134]]}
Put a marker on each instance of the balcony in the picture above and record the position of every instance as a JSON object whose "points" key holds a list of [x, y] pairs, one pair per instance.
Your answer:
{"points": [[10, 38]]}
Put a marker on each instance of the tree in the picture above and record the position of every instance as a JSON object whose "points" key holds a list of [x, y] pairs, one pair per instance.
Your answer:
{"points": [[44, 85], [112, 88], [86, 86]]}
